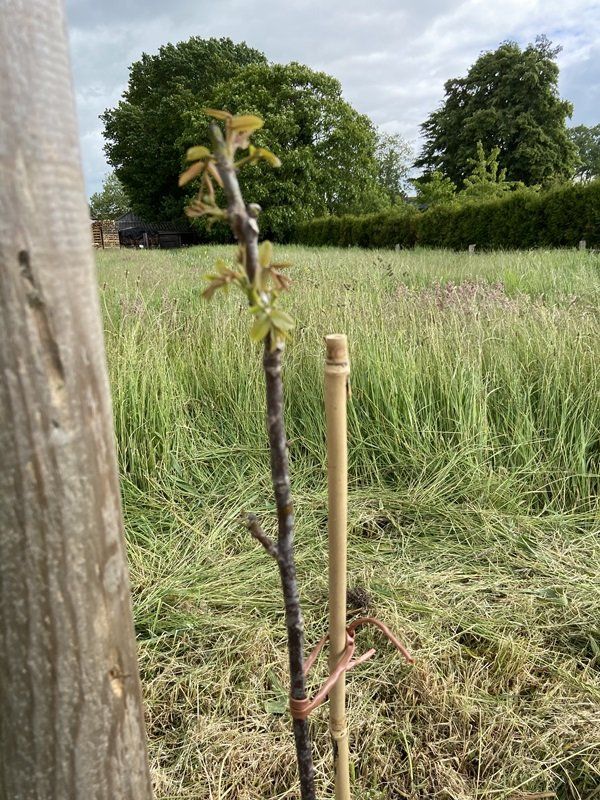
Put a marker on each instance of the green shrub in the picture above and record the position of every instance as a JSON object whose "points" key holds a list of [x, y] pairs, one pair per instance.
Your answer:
{"points": [[560, 217], [383, 229]]}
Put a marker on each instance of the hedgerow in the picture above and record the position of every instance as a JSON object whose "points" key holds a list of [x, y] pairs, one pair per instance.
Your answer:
{"points": [[560, 217]]}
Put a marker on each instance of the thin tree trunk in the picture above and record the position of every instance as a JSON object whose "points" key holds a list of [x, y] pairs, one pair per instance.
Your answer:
{"points": [[242, 220], [71, 719], [285, 558]]}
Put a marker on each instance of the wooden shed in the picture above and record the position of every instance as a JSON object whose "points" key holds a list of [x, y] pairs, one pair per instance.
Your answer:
{"points": [[136, 232]]}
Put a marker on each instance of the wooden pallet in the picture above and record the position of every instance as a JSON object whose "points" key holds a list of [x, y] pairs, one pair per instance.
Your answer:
{"points": [[105, 233]]}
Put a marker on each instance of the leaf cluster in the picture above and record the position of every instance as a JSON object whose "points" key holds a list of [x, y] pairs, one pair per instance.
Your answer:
{"points": [[238, 130], [268, 281]]}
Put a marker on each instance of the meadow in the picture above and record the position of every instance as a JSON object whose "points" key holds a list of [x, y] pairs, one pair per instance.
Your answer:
{"points": [[474, 436]]}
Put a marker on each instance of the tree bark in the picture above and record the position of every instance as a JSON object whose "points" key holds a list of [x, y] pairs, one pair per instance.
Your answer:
{"points": [[285, 559], [71, 719], [242, 220]]}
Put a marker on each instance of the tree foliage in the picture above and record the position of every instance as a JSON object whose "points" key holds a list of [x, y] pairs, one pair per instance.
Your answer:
{"points": [[587, 141], [144, 132], [559, 217], [508, 99], [330, 164], [434, 189], [329, 148], [394, 163], [487, 180], [111, 201]]}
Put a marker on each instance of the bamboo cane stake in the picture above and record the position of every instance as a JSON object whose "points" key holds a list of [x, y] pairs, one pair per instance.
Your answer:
{"points": [[337, 370]]}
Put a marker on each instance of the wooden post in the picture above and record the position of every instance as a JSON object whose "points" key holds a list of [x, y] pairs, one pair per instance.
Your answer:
{"points": [[337, 370], [71, 719]]}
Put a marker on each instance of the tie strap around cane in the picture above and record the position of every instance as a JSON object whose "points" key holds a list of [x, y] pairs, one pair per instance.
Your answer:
{"points": [[300, 709]]}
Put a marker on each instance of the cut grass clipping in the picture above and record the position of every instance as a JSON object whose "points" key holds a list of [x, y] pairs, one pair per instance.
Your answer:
{"points": [[474, 521]]}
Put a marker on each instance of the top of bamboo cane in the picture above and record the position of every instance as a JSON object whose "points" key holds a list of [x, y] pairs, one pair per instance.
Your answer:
{"points": [[337, 348]]}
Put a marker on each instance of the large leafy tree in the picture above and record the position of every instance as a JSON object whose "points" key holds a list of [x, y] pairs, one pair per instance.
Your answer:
{"points": [[394, 163], [111, 201], [330, 164], [144, 132], [587, 141], [509, 99]]}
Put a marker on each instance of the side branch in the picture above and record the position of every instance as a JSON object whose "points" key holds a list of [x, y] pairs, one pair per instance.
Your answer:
{"points": [[259, 534]]}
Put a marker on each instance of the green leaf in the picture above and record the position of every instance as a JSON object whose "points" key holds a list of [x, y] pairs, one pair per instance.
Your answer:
{"points": [[214, 112], [191, 173], [281, 320], [268, 156], [197, 153], [260, 328], [277, 706], [265, 254], [246, 123]]}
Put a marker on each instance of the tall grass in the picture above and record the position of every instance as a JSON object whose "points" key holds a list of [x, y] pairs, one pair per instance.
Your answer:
{"points": [[474, 461]]}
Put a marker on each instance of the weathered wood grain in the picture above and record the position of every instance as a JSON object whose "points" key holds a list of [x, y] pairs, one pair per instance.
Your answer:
{"points": [[71, 720]]}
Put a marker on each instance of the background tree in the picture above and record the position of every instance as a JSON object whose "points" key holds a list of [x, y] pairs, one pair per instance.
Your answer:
{"points": [[330, 163], [111, 201], [487, 179], [394, 162], [71, 719], [143, 133], [327, 148], [433, 189], [508, 99], [587, 141]]}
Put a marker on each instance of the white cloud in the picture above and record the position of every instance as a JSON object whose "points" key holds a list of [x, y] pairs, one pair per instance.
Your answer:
{"points": [[392, 59]]}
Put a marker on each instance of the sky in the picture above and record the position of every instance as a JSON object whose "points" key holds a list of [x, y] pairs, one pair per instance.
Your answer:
{"points": [[392, 57]]}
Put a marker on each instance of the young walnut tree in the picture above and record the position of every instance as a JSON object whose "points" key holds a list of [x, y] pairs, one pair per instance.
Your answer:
{"points": [[261, 281]]}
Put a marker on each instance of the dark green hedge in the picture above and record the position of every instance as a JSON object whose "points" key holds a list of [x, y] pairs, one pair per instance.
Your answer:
{"points": [[556, 218]]}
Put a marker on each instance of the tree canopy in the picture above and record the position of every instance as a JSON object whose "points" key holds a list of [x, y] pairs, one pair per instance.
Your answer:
{"points": [[144, 132], [434, 189], [111, 201], [487, 180], [509, 99], [587, 141], [328, 150], [394, 163]]}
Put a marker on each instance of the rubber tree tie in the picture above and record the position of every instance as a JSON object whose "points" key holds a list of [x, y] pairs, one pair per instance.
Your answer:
{"points": [[300, 709]]}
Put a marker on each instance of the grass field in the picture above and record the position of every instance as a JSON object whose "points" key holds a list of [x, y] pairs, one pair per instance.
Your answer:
{"points": [[474, 475]]}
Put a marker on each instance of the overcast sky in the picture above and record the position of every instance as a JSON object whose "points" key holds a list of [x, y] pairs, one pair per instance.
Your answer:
{"points": [[391, 56]]}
